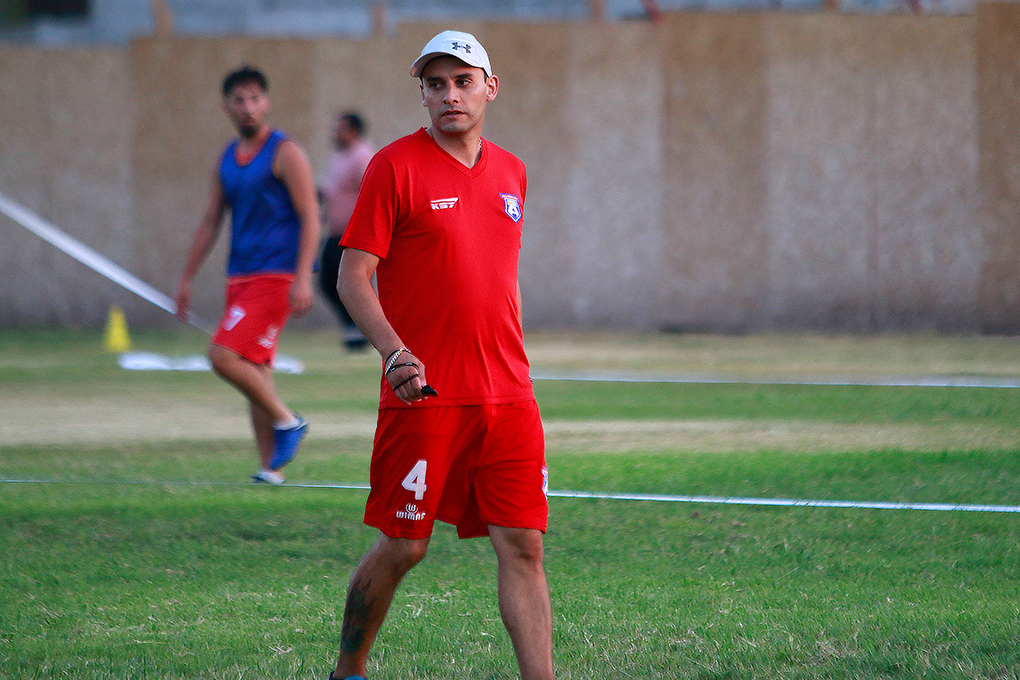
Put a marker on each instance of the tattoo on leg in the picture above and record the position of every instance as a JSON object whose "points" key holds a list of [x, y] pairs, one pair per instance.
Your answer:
{"points": [[356, 615]]}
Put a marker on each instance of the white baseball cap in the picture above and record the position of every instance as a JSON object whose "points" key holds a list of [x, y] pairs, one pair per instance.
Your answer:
{"points": [[458, 44]]}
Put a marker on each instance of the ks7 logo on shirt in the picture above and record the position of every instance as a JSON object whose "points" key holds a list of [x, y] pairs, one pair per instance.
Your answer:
{"points": [[444, 203]]}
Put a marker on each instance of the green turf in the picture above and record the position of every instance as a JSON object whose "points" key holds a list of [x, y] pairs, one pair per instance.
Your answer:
{"points": [[135, 557]]}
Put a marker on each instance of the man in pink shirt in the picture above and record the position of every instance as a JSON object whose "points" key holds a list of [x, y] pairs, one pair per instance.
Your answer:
{"points": [[339, 193]]}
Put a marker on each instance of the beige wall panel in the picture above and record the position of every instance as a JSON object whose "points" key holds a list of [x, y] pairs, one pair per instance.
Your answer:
{"points": [[871, 171], [611, 196], [998, 41], [64, 156], [714, 238], [821, 191], [929, 247]]}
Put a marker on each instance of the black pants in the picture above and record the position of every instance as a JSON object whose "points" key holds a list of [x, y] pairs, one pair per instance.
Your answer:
{"points": [[329, 269]]}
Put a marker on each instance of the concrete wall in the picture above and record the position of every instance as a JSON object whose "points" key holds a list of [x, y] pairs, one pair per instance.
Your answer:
{"points": [[873, 181], [66, 153], [714, 172], [998, 220]]}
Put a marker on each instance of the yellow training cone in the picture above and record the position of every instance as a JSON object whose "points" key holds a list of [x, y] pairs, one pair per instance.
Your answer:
{"points": [[116, 338]]}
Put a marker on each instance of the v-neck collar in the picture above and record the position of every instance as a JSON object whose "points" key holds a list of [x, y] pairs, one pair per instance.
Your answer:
{"points": [[478, 168]]}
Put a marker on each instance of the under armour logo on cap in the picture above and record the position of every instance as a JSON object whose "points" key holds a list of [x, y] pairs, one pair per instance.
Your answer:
{"points": [[458, 44]]}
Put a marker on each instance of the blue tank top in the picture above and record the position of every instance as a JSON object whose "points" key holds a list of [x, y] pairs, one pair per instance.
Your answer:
{"points": [[264, 227]]}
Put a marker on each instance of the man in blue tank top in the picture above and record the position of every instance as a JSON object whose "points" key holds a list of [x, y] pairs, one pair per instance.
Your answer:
{"points": [[266, 182]]}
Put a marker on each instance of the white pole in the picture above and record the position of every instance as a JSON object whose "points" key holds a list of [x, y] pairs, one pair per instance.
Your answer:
{"points": [[90, 258]]}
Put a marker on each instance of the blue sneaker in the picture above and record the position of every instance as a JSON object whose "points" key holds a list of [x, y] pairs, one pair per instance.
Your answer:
{"points": [[287, 442]]}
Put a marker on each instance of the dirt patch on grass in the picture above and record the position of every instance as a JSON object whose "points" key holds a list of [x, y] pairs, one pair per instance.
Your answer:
{"points": [[105, 423], [53, 411], [757, 435], [769, 355]]}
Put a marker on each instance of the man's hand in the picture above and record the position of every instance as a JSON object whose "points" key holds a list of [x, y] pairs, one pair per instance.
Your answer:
{"points": [[407, 378], [183, 301], [301, 296]]}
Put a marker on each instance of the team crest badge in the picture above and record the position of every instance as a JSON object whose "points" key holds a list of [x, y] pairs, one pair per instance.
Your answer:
{"points": [[512, 207]]}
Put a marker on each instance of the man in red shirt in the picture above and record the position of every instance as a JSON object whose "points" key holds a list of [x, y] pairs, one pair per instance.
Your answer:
{"points": [[438, 223]]}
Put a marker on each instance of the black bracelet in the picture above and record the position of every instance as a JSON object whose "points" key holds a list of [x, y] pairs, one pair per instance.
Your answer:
{"points": [[396, 366], [399, 385]]}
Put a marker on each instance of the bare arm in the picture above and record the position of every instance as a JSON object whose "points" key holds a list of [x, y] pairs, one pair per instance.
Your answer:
{"points": [[354, 284], [291, 167], [201, 245]]}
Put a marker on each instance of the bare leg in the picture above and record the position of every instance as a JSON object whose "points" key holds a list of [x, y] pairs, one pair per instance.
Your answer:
{"points": [[262, 424], [524, 599], [369, 597], [252, 380]]}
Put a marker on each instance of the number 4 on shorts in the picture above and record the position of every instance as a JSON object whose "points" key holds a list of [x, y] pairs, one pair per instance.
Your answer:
{"points": [[415, 480]]}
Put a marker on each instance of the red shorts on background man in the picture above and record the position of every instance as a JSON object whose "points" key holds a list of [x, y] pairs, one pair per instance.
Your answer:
{"points": [[256, 310]]}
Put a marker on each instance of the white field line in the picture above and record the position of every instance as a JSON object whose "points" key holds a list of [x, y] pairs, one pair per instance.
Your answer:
{"points": [[786, 502], [660, 498], [833, 381]]}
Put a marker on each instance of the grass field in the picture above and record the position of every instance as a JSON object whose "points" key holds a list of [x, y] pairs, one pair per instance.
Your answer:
{"points": [[131, 545]]}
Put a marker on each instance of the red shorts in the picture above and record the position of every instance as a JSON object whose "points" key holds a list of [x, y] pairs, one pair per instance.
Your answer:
{"points": [[470, 466], [256, 310]]}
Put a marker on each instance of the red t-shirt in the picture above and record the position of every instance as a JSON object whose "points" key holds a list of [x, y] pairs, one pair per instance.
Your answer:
{"points": [[449, 239]]}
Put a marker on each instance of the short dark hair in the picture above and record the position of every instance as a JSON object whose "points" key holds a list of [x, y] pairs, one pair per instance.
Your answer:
{"points": [[356, 122], [244, 75]]}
